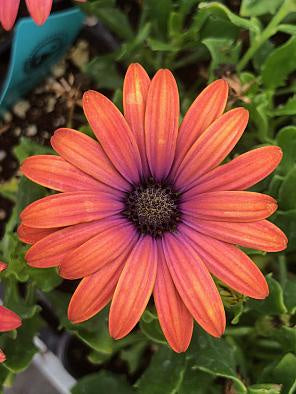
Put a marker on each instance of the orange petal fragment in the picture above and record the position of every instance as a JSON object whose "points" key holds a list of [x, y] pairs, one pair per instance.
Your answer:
{"points": [[2, 356], [206, 108], [65, 209], [114, 134], [86, 154], [211, 147], [161, 123], [56, 173], [260, 235], [31, 235], [8, 320], [194, 284], [105, 247], [135, 90], [3, 266], [229, 264], [230, 206], [53, 249], [95, 291], [240, 173], [39, 10], [134, 288], [8, 13], [175, 320]]}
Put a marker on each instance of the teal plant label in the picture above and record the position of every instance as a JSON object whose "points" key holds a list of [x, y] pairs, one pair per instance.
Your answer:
{"points": [[35, 49]]}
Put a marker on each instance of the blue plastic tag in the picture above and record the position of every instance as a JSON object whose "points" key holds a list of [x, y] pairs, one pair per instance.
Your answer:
{"points": [[35, 49]]}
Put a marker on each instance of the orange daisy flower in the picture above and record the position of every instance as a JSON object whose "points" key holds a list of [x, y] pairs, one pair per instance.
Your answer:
{"points": [[149, 210]]}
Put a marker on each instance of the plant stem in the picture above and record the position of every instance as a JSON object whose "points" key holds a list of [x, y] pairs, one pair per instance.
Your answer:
{"points": [[269, 31]]}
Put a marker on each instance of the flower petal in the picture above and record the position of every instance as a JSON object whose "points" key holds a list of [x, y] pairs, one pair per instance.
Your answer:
{"points": [[240, 173], [56, 173], [65, 209], [206, 108], [2, 356], [211, 147], [31, 235], [261, 235], [175, 320], [8, 320], [95, 291], [3, 266], [194, 284], [8, 13], [229, 264], [230, 206], [135, 90], [161, 123], [105, 247], [51, 250], [39, 10], [114, 134], [134, 288], [86, 154]]}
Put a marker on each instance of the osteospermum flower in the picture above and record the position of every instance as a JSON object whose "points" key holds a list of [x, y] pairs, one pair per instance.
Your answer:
{"points": [[38, 9], [149, 210]]}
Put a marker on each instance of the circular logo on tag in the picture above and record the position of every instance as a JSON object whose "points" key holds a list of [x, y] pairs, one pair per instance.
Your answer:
{"points": [[45, 53]]}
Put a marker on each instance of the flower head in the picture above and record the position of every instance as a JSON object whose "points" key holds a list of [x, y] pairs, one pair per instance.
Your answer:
{"points": [[150, 210], [39, 10]]}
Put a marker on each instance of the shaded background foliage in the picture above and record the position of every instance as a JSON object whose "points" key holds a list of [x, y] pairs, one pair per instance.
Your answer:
{"points": [[252, 44]]}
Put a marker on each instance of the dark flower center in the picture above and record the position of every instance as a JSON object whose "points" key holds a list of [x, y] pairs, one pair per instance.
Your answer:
{"points": [[153, 208]]}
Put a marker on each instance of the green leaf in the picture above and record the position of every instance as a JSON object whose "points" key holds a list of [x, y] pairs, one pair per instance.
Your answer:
{"points": [[28, 148], [256, 8], [288, 29], [287, 192], [195, 381], [286, 139], [152, 330], [102, 382], [28, 192], [133, 355], [279, 64], [289, 108], [286, 221], [264, 389], [9, 189], [283, 372], [158, 12], [103, 70], [20, 351], [216, 357], [273, 304], [164, 374], [290, 295], [286, 336]]}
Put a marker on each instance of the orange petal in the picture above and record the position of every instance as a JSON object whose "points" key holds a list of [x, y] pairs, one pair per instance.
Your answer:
{"points": [[87, 155], [229, 264], [56, 173], [31, 235], [2, 356], [175, 320], [39, 10], [194, 284], [8, 320], [3, 266], [98, 251], [240, 173], [261, 235], [95, 291], [51, 250], [161, 123], [65, 209], [206, 108], [211, 147], [230, 206], [134, 288], [114, 134], [8, 13], [135, 89]]}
